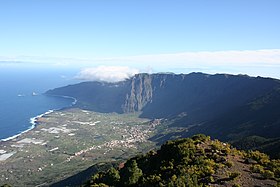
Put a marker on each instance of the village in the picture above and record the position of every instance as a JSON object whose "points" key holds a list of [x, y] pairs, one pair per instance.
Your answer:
{"points": [[62, 138]]}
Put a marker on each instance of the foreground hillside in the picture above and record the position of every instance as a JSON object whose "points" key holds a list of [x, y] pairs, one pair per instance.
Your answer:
{"points": [[232, 108], [196, 161]]}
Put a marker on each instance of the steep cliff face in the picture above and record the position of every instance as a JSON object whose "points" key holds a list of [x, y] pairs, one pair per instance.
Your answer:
{"points": [[140, 93], [199, 96], [229, 107]]}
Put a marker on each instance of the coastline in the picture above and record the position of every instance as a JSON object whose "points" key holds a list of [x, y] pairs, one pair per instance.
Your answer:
{"points": [[33, 125], [33, 120], [68, 97]]}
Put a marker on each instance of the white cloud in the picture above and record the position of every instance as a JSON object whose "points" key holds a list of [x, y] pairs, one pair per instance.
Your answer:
{"points": [[262, 57], [265, 57], [107, 73], [263, 62]]}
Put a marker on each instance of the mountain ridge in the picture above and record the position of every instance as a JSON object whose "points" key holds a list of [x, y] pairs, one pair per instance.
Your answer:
{"points": [[228, 107], [141, 88]]}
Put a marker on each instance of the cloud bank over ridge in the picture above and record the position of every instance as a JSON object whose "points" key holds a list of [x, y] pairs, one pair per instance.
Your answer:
{"points": [[107, 73], [262, 62]]}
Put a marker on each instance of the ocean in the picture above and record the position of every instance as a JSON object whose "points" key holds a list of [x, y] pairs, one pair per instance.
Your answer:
{"points": [[22, 96]]}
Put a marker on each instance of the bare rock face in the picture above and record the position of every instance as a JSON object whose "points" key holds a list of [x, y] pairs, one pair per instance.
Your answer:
{"points": [[141, 93], [223, 106], [200, 97]]}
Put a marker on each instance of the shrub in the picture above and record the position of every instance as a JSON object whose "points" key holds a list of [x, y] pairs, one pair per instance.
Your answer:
{"points": [[216, 145], [210, 179], [267, 174], [236, 185], [99, 185], [261, 158], [6, 185], [234, 175], [201, 138], [152, 179], [274, 166], [256, 168], [229, 164]]}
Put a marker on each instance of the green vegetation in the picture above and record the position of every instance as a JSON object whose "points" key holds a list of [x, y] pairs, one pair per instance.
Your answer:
{"points": [[234, 175], [6, 185], [70, 141], [236, 185], [259, 157], [270, 146], [196, 161], [269, 169], [247, 116]]}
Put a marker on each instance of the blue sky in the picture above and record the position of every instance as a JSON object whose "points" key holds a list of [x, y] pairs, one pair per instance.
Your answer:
{"points": [[143, 34]]}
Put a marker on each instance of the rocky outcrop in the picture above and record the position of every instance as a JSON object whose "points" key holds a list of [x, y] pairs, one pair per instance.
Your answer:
{"points": [[228, 107], [200, 96], [140, 93], [226, 102]]}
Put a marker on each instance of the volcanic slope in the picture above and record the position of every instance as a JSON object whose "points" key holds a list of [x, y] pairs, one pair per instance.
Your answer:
{"points": [[228, 107]]}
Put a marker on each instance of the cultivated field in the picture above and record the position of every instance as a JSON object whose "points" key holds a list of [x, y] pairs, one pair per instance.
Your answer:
{"points": [[68, 141]]}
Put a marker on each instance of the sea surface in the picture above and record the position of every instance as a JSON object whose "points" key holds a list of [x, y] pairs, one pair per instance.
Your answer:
{"points": [[22, 96]]}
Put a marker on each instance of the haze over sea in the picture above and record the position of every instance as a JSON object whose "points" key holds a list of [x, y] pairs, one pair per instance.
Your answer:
{"points": [[18, 103]]}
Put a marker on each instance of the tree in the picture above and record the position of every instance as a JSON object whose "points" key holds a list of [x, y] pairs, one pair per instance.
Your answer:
{"points": [[112, 177], [130, 174]]}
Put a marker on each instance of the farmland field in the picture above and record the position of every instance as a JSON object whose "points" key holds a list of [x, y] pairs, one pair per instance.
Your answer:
{"points": [[68, 141]]}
